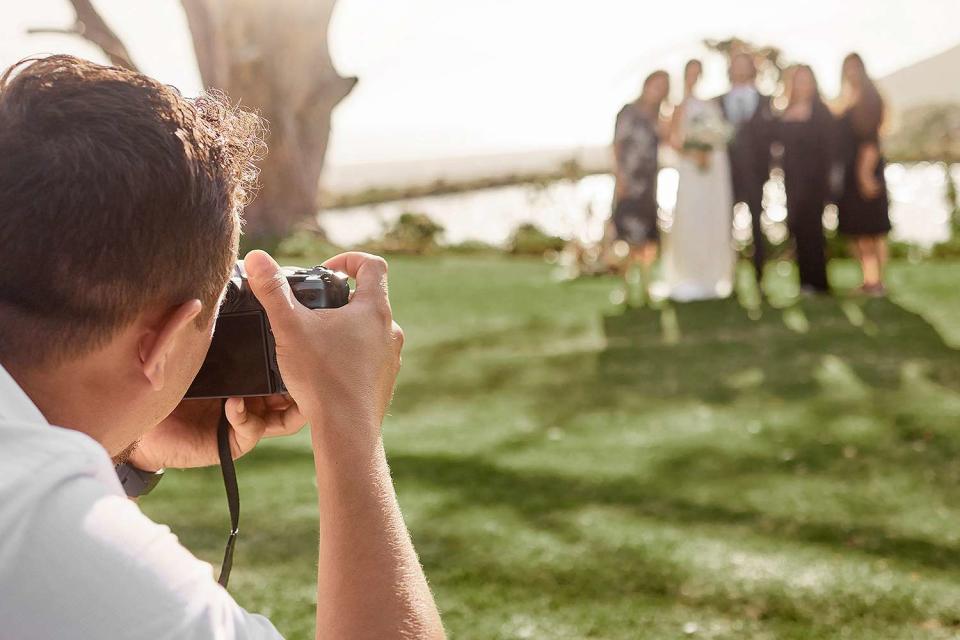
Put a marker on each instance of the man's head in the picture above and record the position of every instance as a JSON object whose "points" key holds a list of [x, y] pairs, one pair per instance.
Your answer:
{"points": [[743, 69], [119, 220]]}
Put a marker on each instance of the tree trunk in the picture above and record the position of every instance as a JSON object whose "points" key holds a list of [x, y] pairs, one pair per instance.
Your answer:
{"points": [[273, 57]]}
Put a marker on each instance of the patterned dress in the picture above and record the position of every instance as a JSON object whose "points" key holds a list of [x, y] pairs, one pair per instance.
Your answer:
{"points": [[635, 145]]}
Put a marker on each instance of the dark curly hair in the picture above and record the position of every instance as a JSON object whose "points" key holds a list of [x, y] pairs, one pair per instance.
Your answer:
{"points": [[117, 194]]}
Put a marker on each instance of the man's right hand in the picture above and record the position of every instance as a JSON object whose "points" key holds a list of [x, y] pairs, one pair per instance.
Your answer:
{"points": [[339, 365]]}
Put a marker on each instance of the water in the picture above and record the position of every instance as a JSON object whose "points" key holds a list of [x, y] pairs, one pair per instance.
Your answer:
{"points": [[579, 209]]}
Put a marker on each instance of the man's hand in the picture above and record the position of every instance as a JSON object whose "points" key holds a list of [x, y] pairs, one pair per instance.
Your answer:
{"points": [[339, 365], [188, 436]]}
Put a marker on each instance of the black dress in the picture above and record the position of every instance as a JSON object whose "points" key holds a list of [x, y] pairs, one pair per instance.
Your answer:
{"points": [[857, 215], [635, 145], [807, 161]]}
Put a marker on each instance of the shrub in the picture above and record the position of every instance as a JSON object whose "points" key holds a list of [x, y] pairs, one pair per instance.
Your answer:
{"points": [[529, 240], [413, 233], [471, 247], [306, 244], [949, 250]]}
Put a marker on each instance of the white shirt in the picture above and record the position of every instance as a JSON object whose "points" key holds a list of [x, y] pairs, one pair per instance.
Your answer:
{"points": [[741, 103], [79, 561]]}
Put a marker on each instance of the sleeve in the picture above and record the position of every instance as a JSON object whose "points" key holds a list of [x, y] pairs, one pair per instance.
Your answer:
{"points": [[96, 567], [621, 135]]}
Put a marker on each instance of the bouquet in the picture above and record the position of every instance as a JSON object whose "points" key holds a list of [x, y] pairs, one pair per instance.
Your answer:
{"points": [[706, 132]]}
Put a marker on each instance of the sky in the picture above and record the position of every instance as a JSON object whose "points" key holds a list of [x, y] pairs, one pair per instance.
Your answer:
{"points": [[455, 78]]}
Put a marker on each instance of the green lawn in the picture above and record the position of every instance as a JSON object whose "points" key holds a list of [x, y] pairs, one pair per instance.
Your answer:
{"points": [[709, 470]]}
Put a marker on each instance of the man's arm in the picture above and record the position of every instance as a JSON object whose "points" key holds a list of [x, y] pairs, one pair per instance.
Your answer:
{"points": [[369, 583], [340, 366]]}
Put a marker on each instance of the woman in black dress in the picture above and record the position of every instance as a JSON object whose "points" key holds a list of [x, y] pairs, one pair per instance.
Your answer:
{"points": [[635, 145], [863, 205], [806, 132]]}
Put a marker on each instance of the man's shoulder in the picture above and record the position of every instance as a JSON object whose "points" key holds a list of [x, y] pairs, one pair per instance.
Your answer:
{"points": [[77, 555], [38, 456]]}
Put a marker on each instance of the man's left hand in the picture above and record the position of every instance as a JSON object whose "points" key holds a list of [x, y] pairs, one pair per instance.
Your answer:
{"points": [[188, 436]]}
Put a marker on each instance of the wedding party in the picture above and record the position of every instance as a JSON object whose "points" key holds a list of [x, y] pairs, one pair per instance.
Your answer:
{"points": [[723, 150]]}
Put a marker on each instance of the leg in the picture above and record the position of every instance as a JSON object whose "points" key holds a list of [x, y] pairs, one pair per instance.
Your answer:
{"points": [[626, 271], [858, 251], [811, 249], [648, 256], [629, 272], [853, 245], [759, 240], [869, 262], [882, 257]]}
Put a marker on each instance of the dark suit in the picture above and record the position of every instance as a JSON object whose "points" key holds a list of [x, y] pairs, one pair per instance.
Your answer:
{"points": [[750, 168]]}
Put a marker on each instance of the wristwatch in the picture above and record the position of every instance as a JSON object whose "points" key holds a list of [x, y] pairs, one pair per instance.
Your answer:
{"points": [[137, 482]]}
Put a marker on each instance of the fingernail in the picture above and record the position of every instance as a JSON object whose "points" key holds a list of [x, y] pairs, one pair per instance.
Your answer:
{"points": [[260, 264], [242, 406]]}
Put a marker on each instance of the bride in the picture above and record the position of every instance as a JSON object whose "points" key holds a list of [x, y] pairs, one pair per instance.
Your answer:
{"points": [[699, 257]]}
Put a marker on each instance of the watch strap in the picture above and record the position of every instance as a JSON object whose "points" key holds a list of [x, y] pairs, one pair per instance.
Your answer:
{"points": [[137, 482]]}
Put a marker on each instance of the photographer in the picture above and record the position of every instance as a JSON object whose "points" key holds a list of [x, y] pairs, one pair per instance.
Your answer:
{"points": [[120, 207]]}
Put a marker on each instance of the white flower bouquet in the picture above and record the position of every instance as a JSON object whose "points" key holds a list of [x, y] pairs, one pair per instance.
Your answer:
{"points": [[706, 132]]}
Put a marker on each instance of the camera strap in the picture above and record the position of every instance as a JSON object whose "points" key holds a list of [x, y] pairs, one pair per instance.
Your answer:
{"points": [[233, 492]]}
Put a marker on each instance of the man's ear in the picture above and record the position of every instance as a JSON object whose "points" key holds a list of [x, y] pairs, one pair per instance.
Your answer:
{"points": [[155, 345]]}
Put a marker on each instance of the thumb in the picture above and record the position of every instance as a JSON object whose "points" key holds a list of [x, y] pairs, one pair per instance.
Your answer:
{"points": [[270, 286]]}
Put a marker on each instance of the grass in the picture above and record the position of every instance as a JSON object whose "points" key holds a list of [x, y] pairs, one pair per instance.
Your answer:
{"points": [[710, 470]]}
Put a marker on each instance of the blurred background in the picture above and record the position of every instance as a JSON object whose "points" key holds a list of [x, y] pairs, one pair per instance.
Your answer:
{"points": [[778, 467]]}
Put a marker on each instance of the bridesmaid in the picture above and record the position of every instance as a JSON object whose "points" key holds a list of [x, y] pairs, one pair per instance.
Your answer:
{"points": [[635, 146], [863, 205], [806, 131]]}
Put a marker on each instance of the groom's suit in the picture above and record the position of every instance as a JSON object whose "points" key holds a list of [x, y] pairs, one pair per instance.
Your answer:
{"points": [[750, 113]]}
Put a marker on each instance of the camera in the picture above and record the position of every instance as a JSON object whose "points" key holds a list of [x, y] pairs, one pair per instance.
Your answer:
{"points": [[242, 360]]}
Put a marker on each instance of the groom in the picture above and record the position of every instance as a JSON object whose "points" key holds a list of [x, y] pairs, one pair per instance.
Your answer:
{"points": [[749, 112]]}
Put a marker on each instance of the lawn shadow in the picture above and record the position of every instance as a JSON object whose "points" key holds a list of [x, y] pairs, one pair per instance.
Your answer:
{"points": [[712, 344], [715, 353], [541, 496]]}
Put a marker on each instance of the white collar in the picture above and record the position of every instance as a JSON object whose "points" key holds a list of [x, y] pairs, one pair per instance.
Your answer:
{"points": [[15, 404]]}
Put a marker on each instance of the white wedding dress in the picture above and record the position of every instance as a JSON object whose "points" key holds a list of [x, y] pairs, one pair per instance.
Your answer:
{"points": [[699, 257]]}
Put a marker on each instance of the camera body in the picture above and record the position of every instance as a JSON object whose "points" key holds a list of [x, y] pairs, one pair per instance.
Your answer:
{"points": [[242, 360]]}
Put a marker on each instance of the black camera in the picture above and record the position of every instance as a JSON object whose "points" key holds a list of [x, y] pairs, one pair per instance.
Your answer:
{"points": [[242, 360]]}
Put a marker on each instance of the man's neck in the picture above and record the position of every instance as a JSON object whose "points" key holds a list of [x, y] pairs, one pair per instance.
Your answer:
{"points": [[73, 396]]}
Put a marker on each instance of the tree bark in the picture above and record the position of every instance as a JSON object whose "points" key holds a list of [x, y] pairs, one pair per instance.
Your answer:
{"points": [[91, 26], [271, 57]]}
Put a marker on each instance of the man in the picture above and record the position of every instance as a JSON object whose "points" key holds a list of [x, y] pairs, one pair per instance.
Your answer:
{"points": [[749, 112], [119, 222]]}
